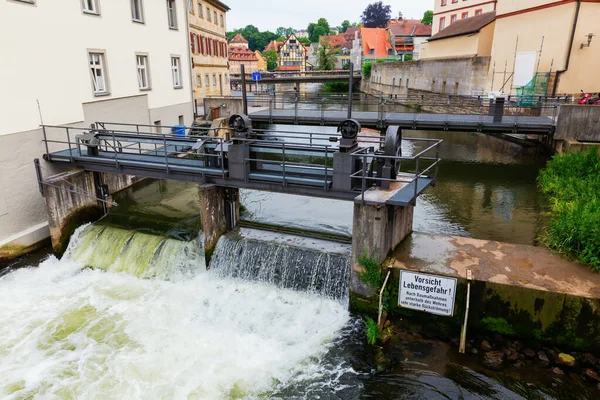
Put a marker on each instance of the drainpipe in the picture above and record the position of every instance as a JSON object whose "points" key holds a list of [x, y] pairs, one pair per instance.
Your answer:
{"points": [[569, 50], [190, 57]]}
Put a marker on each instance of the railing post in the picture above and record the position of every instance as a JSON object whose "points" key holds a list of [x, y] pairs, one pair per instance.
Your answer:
{"points": [[115, 149], [417, 178], [326, 167], [270, 109], [296, 110], [137, 128], [222, 158], [283, 163], [323, 111], [69, 141], [166, 155], [46, 142], [364, 182]]}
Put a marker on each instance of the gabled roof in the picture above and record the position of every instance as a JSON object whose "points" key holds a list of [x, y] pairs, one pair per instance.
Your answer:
{"points": [[220, 4], [238, 39], [274, 45], [237, 53], [409, 27], [466, 26], [375, 39]]}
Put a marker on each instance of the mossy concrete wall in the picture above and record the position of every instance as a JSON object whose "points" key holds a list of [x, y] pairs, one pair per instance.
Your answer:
{"points": [[220, 212], [521, 291], [71, 201]]}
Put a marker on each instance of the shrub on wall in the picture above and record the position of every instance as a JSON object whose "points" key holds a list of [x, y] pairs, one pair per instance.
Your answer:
{"points": [[366, 70]]}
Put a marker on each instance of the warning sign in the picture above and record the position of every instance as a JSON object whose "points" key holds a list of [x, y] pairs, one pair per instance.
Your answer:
{"points": [[429, 293]]}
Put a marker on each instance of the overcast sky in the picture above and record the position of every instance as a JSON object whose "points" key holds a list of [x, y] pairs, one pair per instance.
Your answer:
{"points": [[271, 14]]}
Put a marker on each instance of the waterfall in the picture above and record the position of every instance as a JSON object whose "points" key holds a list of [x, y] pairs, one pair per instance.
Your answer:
{"points": [[135, 253], [285, 261]]}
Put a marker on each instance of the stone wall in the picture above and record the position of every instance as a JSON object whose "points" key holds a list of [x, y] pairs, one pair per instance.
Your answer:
{"points": [[451, 76], [578, 122]]}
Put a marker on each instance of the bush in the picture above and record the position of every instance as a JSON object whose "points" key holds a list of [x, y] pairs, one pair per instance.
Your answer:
{"points": [[372, 274], [573, 183], [366, 70], [336, 87], [372, 331]]}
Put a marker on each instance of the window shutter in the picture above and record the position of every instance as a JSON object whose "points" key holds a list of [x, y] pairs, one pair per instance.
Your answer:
{"points": [[218, 48], [197, 44], [192, 42], [208, 45], [202, 45]]}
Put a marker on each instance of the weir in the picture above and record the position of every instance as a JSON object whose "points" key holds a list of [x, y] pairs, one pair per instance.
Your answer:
{"points": [[352, 165]]}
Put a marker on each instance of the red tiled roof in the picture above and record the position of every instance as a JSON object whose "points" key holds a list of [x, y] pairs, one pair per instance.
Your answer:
{"points": [[274, 46], [375, 39], [349, 34], [335, 40], [409, 27], [238, 39], [466, 26], [237, 53]]}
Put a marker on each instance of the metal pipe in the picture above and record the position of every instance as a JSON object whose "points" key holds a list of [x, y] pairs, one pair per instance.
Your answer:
{"points": [[244, 94], [350, 85], [381, 298]]}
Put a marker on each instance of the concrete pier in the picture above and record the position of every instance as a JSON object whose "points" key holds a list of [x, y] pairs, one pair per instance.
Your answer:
{"points": [[220, 213], [71, 200]]}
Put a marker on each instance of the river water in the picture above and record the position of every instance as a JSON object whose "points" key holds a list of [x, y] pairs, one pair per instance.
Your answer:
{"points": [[148, 320]]}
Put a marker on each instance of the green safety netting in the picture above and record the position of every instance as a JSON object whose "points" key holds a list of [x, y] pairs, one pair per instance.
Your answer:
{"points": [[529, 94]]}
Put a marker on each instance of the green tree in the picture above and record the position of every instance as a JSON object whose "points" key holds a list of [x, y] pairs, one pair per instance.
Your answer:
{"points": [[281, 31], [317, 33], [326, 58], [311, 29], [271, 57], [257, 40], [345, 26], [376, 15], [427, 18], [325, 24], [305, 41]]}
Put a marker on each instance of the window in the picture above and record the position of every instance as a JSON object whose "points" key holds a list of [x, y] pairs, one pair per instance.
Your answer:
{"points": [[372, 52], [172, 14], [142, 71], [137, 11], [442, 23], [176, 72], [208, 14], [207, 80], [222, 24], [454, 1], [226, 78], [214, 79], [98, 73], [478, 12], [444, 2], [465, 15], [200, 11], [90, 7], [292, 41], [191, 6], [181, 122], [215, 15], [157, 126], [453, 18], [199, 80]]}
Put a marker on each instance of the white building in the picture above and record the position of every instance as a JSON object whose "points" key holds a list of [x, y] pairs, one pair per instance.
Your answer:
{"points": [[74, 62]]}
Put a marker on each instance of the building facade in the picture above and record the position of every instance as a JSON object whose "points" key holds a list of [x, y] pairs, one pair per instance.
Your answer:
{"points": [[208, 26], [446, 12], [240, 53], [370, 45], [91, 73], [292, 55], [407, 36], [262, 61]]}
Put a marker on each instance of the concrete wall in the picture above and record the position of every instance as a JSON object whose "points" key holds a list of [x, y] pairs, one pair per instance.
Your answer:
{"points": [[71, 201], [458, 46], [233, 105], [469, 73], [578, 122]]}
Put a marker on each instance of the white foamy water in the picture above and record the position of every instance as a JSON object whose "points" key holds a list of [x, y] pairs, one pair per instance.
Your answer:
{"points": [[75, 333]]}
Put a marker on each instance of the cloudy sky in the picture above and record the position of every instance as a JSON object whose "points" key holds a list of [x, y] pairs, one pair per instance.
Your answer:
{"points": [[271, 14]]}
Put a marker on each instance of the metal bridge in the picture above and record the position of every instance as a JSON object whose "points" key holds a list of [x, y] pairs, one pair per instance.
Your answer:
{"points": [[300, 77], [348, 165], [470, 114]]}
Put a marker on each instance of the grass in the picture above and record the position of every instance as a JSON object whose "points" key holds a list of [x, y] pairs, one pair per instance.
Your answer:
{"points": [[572, 181], [372, 331], [372, 275]]}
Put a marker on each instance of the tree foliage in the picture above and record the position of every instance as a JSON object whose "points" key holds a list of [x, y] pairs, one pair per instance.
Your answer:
{"points": [[376, 15], [271, 57], [326, 58], [345, 25], [257, 40], [304, 41], [427, 18], [315, 31], [281, 31]]}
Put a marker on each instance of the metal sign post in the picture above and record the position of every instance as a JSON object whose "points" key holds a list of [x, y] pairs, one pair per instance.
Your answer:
{"points": [[256, 76]]}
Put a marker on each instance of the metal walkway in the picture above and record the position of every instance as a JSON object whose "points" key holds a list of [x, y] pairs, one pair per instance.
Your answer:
{"points": [[415, 121], [298, 163]]}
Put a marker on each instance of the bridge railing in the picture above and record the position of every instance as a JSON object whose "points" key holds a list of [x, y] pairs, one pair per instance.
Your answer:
{"points": [[423, 165], [152, 149]]}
